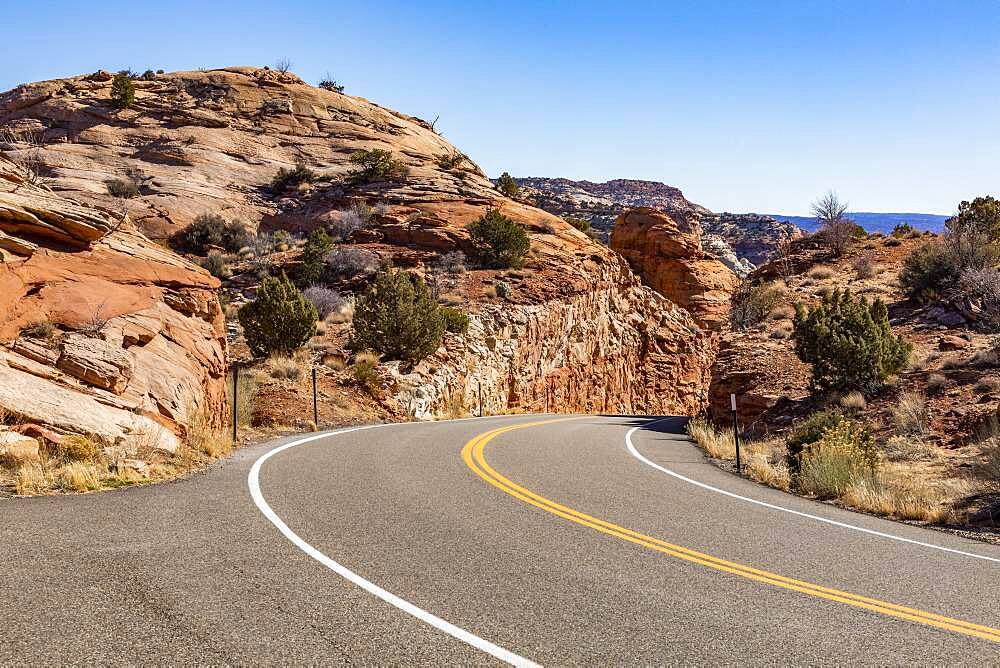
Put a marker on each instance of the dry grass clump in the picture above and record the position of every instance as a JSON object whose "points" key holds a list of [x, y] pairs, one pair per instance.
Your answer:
{"points": [[31, 478], [908, 449], [291, 368], [364, 372], [78, 476], [827, 472], [202, 437], [783, 330], [936, 383], [765, 463], [76, 448], [899, 497], [821, 272], [246, 393], [986, 385], [910, 414], [783, 312], [864, 265], [853, 402], [718, 444]]}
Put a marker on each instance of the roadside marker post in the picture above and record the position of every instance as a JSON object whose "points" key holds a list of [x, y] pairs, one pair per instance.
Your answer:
{"points": [[236, 378], [736, 431], [315, 406], [480, 383]]}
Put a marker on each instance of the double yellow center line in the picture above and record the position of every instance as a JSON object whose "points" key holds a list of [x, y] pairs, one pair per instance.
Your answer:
{"points": [[473, 455]]}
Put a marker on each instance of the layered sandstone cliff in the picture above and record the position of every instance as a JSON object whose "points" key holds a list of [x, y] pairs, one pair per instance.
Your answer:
{"points": [[575, 331], [102, 332], [667, 252]]}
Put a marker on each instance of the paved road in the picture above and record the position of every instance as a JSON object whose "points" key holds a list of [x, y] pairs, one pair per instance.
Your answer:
{"points": [[550, 543]]}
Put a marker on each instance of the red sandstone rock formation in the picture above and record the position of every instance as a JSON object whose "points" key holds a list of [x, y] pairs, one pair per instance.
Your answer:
{"points": [[136, 340], [666, 251]]}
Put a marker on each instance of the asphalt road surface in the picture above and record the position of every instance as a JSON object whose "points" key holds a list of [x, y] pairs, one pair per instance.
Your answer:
{"points": [[591, 540]]}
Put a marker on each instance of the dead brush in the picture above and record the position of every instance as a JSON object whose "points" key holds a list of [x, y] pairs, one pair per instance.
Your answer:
{"points": [[719, 444], [910, 414]]}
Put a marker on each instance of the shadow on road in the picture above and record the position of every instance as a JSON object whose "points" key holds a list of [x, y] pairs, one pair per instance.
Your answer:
{"points": [[660, 424]]}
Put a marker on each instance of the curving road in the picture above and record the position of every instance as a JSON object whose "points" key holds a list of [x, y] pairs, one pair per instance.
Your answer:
{"points": [[526, 539]]}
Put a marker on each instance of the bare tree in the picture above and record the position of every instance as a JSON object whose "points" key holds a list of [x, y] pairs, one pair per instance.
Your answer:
{"points": [[834, 228], [24, 149], [828, 209], [283, 65]]}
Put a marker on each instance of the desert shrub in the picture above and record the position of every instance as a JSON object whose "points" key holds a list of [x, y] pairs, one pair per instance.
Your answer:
{"points": [[841, 455], [350, 262], [284, 366], [853, 402], [397, 318], [848, 343], [210, 229], [279, 319], [377, 163], [979, 288], [782, 331], [903, 230], [312, 268], [452, 262], [751, 303], [217, 265], [450, 161], [910, 414], [246, 395], [364, 372], [123, 188], [43, 329], [982, 214], [76, 448], [808, 431], [148, 75], [331, 84], [936, 383], [820, 272], [839, 235], [455, 320], [503, 289], [122, 90], [507, 185], [986, 385], [78, 477], [286, 178], [325, 300], [347, 222], [499, 241], [864, 265], [927, 271]]}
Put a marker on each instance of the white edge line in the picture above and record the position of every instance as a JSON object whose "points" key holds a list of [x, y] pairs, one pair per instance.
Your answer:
{"points": [[635, 453], [253, 481]]}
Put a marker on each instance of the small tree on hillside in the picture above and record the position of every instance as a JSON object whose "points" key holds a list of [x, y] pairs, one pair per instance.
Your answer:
{"points": [[397, 318], [122, 91], [981, 214], [507, 185], [314, 254], [848, 343], [377, 163], [834, 228], [280, 319], [828, 209], [500, 242]]}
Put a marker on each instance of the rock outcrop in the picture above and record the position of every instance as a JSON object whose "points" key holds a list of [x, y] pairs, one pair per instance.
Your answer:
{"points": [[102, 332], [574, 325], [667, 253]]}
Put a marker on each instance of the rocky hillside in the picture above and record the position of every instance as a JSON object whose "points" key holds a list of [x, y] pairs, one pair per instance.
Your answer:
{"points": [[741, 241], [103, 332], [574, 329]]}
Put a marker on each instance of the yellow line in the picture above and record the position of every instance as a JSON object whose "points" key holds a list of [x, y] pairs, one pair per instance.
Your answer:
{"points": [[473, 455]]}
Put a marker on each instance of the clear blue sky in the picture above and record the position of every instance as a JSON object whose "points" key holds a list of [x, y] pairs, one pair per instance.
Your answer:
{"points": [[746, 106]]}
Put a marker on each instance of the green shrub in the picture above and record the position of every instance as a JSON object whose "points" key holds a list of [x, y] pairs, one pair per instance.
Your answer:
{"points": [[43, 329], [503, 289], [848, 343], [149, 75], [280, 319], [927, 271], [455, 320], [364, 373], [903, 230], [397, 318], [217, 265], [450, 161], [842, 455], [751, 303], [809, 431], [286, 178], [314, 253], [331, 84], [124, 188], [981, 214], [122, 90], [210, 229], [377, 163], [499, 241], [507, 185]]}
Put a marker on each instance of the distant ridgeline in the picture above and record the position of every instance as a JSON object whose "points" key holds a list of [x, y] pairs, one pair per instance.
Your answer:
{"points": [[875, 222]]}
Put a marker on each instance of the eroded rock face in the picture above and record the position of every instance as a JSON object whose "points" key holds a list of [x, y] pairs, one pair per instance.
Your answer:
{"points": [[667, 252], [133, 338], [578, 326]]}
